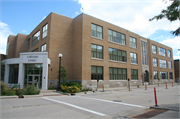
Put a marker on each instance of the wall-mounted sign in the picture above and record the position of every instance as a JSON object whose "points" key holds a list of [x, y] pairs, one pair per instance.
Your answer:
{"points": [[32, 58]]}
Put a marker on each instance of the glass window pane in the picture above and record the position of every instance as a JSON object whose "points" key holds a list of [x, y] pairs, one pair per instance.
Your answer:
{"points": [[93, 27]]}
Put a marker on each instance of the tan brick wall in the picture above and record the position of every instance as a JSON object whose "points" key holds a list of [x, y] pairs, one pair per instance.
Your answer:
{"points": [[12, 46], [21, 44]]}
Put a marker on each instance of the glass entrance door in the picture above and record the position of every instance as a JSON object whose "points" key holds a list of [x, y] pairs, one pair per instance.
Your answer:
{"points": [[33, 79]]}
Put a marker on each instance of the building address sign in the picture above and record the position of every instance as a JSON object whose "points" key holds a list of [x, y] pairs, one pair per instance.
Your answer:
{"points": [[32, 58]]}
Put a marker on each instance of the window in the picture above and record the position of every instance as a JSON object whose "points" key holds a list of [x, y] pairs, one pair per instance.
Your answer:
{"points": [[155, 64], [117, 74], [155, 73], [134, 74], [45, 29], [170, 64], [96, 51], [117, 55], [144, 53], [133, 42], [13, 74], [154, 49], [162, 63], [36, 50], [133, 58], [116, 37], [169, 54], [28, 43], [43, 48], [164, 75], [170, 75], [96, 31], [96, 72], [35, 38], [162, 51]]}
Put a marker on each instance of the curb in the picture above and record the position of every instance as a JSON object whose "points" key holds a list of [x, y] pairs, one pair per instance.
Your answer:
{"points": [[164, 108], [8, 97]]}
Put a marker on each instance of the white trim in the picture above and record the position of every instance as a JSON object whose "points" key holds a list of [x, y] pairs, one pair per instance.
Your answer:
{"points": [[97, 59], [96, 38], [117, 43], [117, 61], [143, 40]]}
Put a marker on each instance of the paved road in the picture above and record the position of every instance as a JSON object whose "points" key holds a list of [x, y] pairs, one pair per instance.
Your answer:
{"points": [[105, 105]]}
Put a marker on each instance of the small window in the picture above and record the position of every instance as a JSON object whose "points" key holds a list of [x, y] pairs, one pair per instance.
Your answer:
{"points": [[162, 63], [169, 54], [170, 64], [28, 43], [35, 38], [117, 55], [155, 64], [134, 74], [133, 42], [45, 30], [155, 73], [96, 31], [43, 48], [133, 58], [154, 49], [96, 51], [116, 37], [96, 72], [162, 51]]}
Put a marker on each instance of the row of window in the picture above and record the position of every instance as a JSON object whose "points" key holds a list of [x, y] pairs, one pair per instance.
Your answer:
{"points": [[114, 54], [162, 51], [163, 75], [162, 63], [114, 73], [113, 36], [36, 36]]}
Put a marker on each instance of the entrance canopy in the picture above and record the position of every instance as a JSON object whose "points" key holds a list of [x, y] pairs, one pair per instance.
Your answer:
{"points": [[32, 65]]}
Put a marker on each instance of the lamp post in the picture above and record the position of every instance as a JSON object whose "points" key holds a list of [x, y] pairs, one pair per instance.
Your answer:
{"points": [[59, 87]]}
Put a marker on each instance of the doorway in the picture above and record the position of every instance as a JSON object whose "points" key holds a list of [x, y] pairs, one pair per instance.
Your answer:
{"points": [[33, 79], [146, 76]]}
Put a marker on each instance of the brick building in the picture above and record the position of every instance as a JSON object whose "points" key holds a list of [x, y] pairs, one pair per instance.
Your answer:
{"points": [[91, 48]]}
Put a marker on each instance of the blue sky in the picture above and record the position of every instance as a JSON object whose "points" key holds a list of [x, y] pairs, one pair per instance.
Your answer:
{"points": [[23, 16]]}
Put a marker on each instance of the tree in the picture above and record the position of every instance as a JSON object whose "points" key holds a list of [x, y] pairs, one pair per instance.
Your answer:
{"points": [[171, 13], [63, 75], [2, 71]]}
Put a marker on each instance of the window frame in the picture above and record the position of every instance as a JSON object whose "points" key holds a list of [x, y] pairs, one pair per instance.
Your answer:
{"points": [[102, 74], [113, 56], [154, 46], [35, 38], [114, 39], [28, 43], [132, 44], [35, 50], [133, 75], [42, 47], [160, 48], [96, 32], [117, 75], [44, 31], [97, 52], [161, 64], [170, 75], [169, 56], [154, 72], [134, 59], [155, 62], [165, 75], [169, 62]]}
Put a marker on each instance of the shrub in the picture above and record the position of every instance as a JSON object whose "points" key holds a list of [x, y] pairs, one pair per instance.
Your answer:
{"points": [[5, 90], [30, 90], [71, 88]]}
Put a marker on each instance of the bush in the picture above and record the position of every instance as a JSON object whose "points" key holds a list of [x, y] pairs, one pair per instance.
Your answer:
{"points": [[30, 90], [5, 91], [71, 87]]}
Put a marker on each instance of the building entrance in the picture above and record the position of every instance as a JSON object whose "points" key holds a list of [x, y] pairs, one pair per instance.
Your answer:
{"points": [[33, 79], [146, 76]]}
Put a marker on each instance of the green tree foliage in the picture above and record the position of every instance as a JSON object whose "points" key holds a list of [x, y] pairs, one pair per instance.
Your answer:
{"points": [[171, 13], [63, 75], [2, 71]]}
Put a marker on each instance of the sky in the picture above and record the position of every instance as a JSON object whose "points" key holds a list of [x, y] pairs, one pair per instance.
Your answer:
{"points": [[22, 16]]}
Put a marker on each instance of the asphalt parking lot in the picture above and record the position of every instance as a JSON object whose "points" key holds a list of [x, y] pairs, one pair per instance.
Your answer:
{"points": [[113, 103]]}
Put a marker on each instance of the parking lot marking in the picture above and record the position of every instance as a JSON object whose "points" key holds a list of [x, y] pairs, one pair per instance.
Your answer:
{"points": [[98, 113], [112, 102]]}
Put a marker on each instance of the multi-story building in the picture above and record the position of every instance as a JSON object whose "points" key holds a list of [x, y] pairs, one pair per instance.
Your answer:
{"points": [[176, 70], [91, 49]]}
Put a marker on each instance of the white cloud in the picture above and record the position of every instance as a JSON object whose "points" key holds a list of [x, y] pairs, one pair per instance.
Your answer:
{"points": [[132, 15], [5, 31], [24, 31], [173, 43], [176, 57]]}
